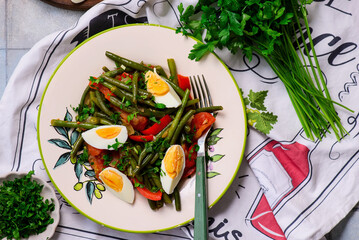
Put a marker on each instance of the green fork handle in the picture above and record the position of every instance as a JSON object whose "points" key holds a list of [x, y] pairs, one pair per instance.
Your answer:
{"points": [[201, 206]]}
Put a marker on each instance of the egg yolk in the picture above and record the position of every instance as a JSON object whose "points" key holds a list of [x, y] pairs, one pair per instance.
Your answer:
{"points": [[173, 161], [155, 84], [109, 132], [112, 179]]}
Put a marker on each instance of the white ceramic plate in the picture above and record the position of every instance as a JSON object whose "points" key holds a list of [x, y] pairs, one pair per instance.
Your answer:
{"points": [[48, 193], [152, 44]]}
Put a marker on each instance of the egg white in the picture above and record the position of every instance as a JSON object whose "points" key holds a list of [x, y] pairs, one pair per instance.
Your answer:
{"points": [[168, 183], [92, 138], [170, 99], [127, 194]]}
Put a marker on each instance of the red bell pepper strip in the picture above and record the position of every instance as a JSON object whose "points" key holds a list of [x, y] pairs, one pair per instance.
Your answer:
{"points": [[155, 196], [183, 82], [157, 127], [141, 138]]}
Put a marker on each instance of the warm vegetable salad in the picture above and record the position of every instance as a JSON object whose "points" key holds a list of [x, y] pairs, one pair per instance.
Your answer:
{"points": [[139, 130]]}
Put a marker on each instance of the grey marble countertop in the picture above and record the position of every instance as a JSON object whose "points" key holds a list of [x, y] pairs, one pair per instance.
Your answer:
{"points": [[25, 22]]}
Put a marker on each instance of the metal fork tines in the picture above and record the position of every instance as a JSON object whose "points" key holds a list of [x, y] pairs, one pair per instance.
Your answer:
{"points": [[200, 90]]}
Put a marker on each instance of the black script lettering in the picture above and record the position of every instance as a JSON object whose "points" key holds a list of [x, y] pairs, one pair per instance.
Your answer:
{"points": [[341, 50], [236, 234], [333, 42], [216, 229], [330, 4]]}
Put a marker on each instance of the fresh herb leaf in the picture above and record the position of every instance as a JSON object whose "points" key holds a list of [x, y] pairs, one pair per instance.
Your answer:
{"points": [[257, 99], [262, 121]]}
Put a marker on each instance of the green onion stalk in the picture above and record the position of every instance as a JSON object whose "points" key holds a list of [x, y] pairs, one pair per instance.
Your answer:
{"points": [[274, 30]]}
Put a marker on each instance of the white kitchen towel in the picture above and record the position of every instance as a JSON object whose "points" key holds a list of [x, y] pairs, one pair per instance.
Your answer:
{"points": [[290, 187]]}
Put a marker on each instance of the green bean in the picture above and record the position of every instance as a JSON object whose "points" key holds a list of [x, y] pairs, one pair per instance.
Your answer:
{"points": [[163, 131], [134, 154], [105, 69], [83, 97], [139, 177], [116, 91], [75, 148], [153, 188], [118, 103], [209, 109], [62, 123], [177, 199], [103, 116], [127, 62], [177, 89], [104, 121], [102, 104], [147, 182], [178, 116], [152, 204], [127, 88], [145, 161], [166, 198], [181, 125], [133, 163], [93, 120], [159, 204], [94, 99], [148, 112], [173, 70], [156, 180], [142, 156], [135, 87], [115, 72], [192, 102], [160, 71]]}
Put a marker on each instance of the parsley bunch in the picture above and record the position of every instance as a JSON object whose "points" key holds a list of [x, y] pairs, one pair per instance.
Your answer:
{"points": [[269, 28], [22, 209]]}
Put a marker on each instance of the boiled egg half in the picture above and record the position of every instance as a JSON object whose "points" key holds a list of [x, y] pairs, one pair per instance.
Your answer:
{"points": [[118, 184], [161, 90], [105, 136], [172, 168]]}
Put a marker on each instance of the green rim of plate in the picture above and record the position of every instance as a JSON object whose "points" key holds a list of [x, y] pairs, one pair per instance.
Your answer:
{"points": [[42, 157]]}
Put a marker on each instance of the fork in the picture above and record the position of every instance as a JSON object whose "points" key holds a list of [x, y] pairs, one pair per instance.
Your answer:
{"points": [[201, 91]]}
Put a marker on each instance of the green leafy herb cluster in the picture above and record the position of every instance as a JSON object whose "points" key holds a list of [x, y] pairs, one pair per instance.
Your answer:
{"points": [[23, 210], [271, 29], [257, 113]]}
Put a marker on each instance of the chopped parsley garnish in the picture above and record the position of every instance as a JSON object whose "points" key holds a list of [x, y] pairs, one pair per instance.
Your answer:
{"points": [[131, 116], [96, 80], [115, 117], [23, 210], [115, 146], [153, 119], [107, 159], [83, 157], [85, 112], [160, 106]]}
